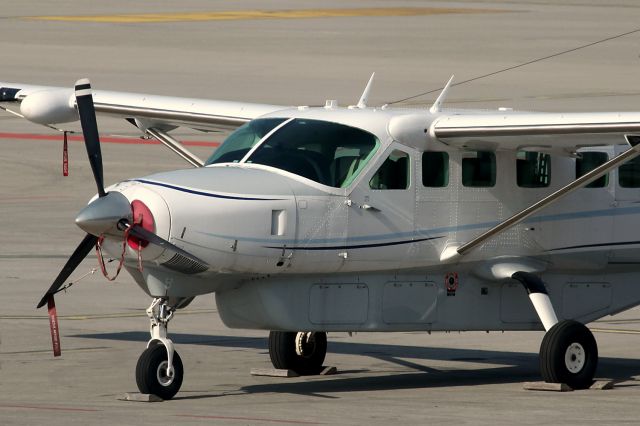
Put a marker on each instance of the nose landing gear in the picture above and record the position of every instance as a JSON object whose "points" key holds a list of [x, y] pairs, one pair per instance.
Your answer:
{"points": [[159, 370]]}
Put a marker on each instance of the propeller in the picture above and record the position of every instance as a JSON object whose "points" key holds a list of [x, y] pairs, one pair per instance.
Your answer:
{"points": [[110, 212], [76, 258], [87, 113]]}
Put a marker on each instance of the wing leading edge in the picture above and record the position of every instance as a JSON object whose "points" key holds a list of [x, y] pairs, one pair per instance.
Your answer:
{"points": [[54, 105]]}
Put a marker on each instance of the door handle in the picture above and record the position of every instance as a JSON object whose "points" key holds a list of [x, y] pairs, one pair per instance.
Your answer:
{"points": [[369, 207]]}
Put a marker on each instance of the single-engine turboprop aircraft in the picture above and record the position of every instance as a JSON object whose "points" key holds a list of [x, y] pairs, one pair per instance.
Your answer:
{"points": [[309, 220]]}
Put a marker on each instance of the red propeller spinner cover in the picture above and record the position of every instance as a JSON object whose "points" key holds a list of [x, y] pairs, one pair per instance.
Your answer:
{"points": [[142, 216]]}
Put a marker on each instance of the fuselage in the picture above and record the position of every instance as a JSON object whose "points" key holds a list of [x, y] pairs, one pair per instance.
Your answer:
{"points": [[408, 201]]}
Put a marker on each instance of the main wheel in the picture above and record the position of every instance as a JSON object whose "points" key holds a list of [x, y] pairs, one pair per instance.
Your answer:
{"points": [[151, 372], [569, 354], [301, 352]]}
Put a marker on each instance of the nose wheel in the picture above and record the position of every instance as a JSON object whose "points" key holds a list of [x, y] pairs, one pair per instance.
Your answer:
{"points": [[153, 375], [159, 370], [302, 352]]}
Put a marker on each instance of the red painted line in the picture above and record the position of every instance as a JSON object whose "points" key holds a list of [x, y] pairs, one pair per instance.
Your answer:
{"points": [[248, 419], [103, 139], [42, 407]]}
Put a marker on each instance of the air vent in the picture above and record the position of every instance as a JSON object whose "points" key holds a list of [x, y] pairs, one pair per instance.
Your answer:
{"points": [[185, 265]]}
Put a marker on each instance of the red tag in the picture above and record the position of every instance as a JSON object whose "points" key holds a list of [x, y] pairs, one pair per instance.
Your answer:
{"points": [[53, 323], [65, 157]]}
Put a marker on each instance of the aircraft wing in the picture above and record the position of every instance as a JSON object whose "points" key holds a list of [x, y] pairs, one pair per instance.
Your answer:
{"points": [[552, 132], [54, 105]]}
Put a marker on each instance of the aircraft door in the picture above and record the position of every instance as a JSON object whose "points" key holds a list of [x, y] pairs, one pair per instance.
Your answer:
{"points": [[321, 233], [381, 213]]}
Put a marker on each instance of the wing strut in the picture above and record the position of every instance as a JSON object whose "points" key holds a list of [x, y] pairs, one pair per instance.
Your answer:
{"points": [[634, 151], [175, 146]]}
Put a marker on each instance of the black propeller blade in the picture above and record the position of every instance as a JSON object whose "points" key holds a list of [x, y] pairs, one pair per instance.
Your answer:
{"points": [[87, 113], [139, 232], [76, 258]]}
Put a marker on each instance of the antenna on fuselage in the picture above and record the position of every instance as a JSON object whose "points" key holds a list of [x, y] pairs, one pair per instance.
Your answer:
{"points": [[362, 103], [437, 105]]}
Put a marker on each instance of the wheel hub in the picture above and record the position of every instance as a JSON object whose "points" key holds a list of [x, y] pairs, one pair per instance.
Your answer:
{"points": [[575, 358], [164, 376], [305, 344]]}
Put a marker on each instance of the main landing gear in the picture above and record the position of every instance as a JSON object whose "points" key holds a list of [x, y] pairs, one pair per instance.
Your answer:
{"points": [[568, 353], [159, 370], [302, 352]]}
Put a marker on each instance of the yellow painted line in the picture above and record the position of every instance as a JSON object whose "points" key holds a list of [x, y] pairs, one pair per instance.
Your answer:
{"points": [[616, 331], [239, 15]]}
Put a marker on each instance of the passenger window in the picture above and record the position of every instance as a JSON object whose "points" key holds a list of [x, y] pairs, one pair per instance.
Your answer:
{"points": [[393, 173], [629, 174], [589, 161], [479, 169], [435, 169], [533, 169]]}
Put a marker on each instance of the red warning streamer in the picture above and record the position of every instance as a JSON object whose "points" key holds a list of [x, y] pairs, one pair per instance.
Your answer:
{"points": [[65, 156], [53, 323]]}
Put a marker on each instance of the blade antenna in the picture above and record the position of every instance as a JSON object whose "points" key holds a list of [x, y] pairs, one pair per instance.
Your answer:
{"points": [[362, 103], [437, 105]]}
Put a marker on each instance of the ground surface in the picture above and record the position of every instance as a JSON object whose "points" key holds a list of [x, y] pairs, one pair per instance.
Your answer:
{"points": [[404, 378]]}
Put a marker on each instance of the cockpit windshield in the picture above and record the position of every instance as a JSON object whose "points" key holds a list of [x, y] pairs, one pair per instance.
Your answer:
{"points": [[328, 153], [238, 144]]}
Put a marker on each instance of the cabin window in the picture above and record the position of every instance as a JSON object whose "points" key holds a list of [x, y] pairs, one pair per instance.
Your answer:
{"points": [[393, 173], [589, 161], [533, 169], [238, 143], [329, 153], [435, 169], [629, 174], [479, 169]]}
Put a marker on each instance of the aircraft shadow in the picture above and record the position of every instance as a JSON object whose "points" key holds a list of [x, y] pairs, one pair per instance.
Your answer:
{"points": [[512, 367]]}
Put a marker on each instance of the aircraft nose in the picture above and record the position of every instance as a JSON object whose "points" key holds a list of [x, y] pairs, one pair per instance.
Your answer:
{"points": [[103, 214]]}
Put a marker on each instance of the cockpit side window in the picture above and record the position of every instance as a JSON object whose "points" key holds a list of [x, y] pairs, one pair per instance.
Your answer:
{"points": [[328, 153], [393, 173], [238, 144]]}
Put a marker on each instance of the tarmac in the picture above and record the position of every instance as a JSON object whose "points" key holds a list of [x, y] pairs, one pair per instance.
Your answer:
{"points": [[295, 53]]}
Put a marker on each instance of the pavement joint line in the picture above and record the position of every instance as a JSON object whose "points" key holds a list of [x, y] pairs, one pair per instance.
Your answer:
{"points": [[98, 316], [103, 139], [615, 330], [41, 351], [245, 419], [48, 408]]}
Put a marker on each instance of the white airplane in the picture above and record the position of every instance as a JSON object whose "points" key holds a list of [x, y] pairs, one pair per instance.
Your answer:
{"points": [[309, 220]]}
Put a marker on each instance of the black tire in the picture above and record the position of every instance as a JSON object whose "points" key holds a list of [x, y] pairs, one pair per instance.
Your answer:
{"points": [[569, 354], [282, 350], [149, 376]]}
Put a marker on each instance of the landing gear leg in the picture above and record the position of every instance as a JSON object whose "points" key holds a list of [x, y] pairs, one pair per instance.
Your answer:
{"points": [[568, 353], [159, 370]]}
